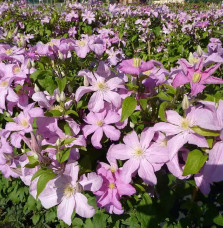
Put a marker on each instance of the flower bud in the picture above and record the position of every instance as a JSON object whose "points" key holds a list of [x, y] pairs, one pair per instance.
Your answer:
{"points": [[60, 55], [62, 96], [33, 63], [58, 98], [132, 125], [70, 88], [29, 65], [86, 82], [36, 88], [199, 51], [185, 103], [58, 142]]}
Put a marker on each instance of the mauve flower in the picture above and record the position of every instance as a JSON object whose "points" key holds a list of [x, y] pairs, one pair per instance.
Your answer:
{"points": [[195, 76], [88, 16], [112, 189], [65, 190], [180, 128], [212, 170], [99, 123], [135, 66], [141, 156], [104, 90]]}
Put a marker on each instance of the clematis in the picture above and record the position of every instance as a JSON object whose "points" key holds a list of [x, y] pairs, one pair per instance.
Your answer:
{"points": [[142, 158], [195, 76], [65, 190], [88, 16], [112, 189], [104, 90], [6, 92], [212, 170], [135, 66], [180, 128], [99, 123], [81, 47]]}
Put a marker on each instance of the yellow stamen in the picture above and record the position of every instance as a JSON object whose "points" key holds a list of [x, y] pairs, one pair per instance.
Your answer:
{"points": [[185, 123], [16, 70], [147, 73], [111, 186], [69, 190], [24, 123], [4, 83], [8, 51], [196, 77], [137, 62], [100, 123], [101, 85], [81, 43], [138, 151]]}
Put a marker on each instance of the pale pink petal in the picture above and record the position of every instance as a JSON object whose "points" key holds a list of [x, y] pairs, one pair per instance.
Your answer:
{"points": [[176, 143], [167, 128], [81, 91], [65, 209], [180, 79], [129, 168], [96, 138], [146, 172], [89, 129], [196, 88], [82, 207], [146, 138], [173, 117], [91, 182], [198, 140], [213, 80], [96, 102], [114, 83], [13, 127], [113, 97], [111, 132], [132, 140], [112, 117], [120, 151], [12, 96]]}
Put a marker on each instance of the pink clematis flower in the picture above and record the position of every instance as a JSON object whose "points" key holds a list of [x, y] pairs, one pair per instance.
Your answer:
{"points": [[135, 66], [104, 90], [141, 156], [82, 48], [212, 170], [99, 123], [112, 189], [65, 190], [180, 128], [195, 76], [6, 92]]}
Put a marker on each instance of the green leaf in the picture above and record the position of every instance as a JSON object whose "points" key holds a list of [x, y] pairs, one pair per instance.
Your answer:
{"points": [[205, 132], [99, 220], [40, 74], [44, 178], [48, 84], [38, 173], [170, 90], [143, 210], [143, 103], [61, 82], [65, 155], [71, 112], [195, 162], [67, 141], [53, 113], [164, 96], [128, 107], [218, 220], [162, 110], [35, 218]]}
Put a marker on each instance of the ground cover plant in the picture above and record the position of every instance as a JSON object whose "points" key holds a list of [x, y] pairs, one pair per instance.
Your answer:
{"points": [[111, 115]]}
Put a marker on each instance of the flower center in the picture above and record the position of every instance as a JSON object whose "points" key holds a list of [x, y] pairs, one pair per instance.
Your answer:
{"points": [[51, 43], [4, 83], [16, 70], [138, 152], [99, 123], [196, 77], [113, 169], [69, 190], [111, 186], [8, 52], [81, 43], [185, 123], [101, 85], [137, 62], [24, 123], [164, 143], [147, 73]]}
